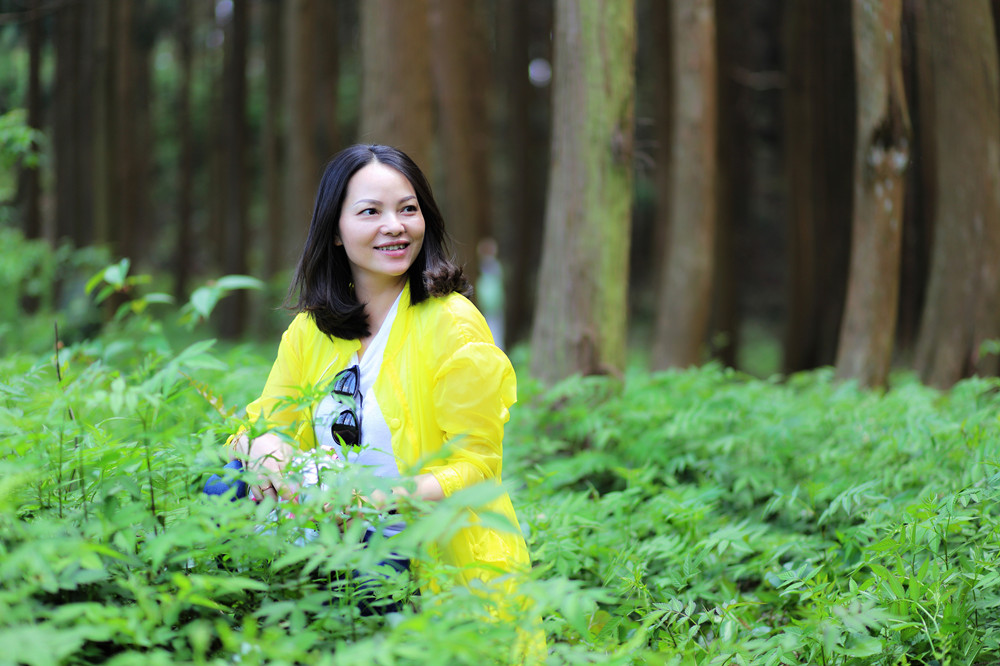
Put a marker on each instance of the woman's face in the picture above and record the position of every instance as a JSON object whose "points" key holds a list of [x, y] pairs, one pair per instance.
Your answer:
{"points": [[381, 225]]}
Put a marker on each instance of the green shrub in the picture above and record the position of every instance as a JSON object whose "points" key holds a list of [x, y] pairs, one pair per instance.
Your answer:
{"points": [[696, 517]]}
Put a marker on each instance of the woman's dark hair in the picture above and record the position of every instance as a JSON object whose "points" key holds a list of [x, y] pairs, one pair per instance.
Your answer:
{"points": [[323, 281]]}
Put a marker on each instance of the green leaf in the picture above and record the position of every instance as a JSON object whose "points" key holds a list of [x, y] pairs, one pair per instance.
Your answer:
{"points": [[203, 300], [231, 282], [115, 274]]}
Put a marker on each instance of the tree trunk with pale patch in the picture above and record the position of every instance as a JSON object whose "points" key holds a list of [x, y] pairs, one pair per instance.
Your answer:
{"points": [[580, 320], [685, 287], [882, 149]]}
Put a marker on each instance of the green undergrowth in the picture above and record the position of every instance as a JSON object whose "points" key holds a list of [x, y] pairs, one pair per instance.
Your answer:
{"points": [[735, 520], [695, 517]]}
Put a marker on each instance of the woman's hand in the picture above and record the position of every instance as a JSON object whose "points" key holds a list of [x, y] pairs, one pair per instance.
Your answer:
{"points": [[267, 456], [425, 487]]}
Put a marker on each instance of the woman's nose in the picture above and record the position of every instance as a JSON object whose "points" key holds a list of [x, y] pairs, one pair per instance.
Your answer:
{"points": [[391, 225]]}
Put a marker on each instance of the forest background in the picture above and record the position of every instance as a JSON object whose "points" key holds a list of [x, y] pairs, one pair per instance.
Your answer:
{"points": [[782, 169], [734, 206]]}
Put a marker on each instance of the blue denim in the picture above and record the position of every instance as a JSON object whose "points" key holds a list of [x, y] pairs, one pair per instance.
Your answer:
{"points": [[219, 485]]}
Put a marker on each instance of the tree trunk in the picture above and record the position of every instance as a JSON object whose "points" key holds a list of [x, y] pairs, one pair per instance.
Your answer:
{"points": [[523, 32], [917, 205], [105, 122], [960, 107], [580, 320], [327, 78], [29, 191], [303, 167], [396, 78], [72, 216], [461, 80], [685, 287], [131, 127], [233, 310], [880, 159], [28, 185], [819, 144], [184, 248], [274, 134], [735, 166]]}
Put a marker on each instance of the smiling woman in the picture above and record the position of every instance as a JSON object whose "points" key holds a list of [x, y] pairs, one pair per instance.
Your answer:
{"points": [[414, 387]]}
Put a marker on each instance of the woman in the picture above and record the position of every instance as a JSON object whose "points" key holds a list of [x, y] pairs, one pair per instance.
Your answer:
{"points": [[415, 387]]}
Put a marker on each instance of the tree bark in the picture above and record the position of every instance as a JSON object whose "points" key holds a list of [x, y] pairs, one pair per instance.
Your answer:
{"points": [[184, 248], [396, 78], [917, 205], [71, 131], [523, 31], [327, 47], [274, 134], [130, 127], [29, 190], [303, 166], [960, 105], [736, 153], [580, 321], [819, 122], [881, 156], [105, 122], [462, 83], [233, 309], [685, 291]]}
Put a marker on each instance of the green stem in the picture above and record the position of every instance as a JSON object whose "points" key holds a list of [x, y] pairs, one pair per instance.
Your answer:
{"points": [[59, 485], [149, 474]]}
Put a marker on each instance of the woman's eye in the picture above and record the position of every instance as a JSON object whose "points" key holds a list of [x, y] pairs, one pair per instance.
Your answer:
{"points": [[369, 211], [410, 209]]}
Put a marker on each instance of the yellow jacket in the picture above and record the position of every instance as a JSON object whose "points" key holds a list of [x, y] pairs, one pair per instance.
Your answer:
{"points": [[444, 389]]}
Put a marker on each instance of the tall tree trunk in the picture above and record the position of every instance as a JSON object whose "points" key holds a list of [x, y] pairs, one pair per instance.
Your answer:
{"points": [[961, 99], [396, 78], [327, 78], [917, 205], [29, 191], [273, 26], [184, 249], [233, 309], [131, 126], [880, 159], [69, 131], [580, 321], [461, 81], [303, 166], [28, 186], [105, 122], [124, 200], [735, 153], [819, 154], [685, 287], [523, 210]]}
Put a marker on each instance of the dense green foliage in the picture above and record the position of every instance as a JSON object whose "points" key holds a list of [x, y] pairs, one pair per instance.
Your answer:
{"points": [[688, 517]]}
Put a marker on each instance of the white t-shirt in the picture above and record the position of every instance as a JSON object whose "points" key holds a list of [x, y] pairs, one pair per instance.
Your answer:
{"points": [[375, 450]]}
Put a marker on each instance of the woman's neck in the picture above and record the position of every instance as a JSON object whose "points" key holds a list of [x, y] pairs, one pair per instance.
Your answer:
{"points": [[377, 302]]}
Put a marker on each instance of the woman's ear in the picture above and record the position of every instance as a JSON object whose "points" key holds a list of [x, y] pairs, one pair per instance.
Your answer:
{"points": [[337, 241]]}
